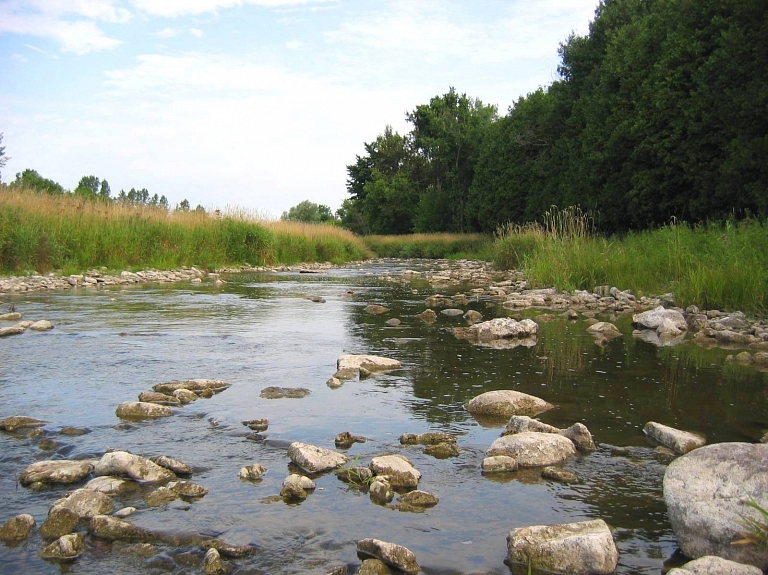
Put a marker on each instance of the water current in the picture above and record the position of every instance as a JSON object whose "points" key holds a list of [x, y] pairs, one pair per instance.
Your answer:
{"points": [[260, 330]]}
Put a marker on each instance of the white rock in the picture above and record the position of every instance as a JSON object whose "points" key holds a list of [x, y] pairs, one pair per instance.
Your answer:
{"points": [[140, 410], [533, 449], [313, 459], [679, 441], [507, 402], [301, 480], [59, 471], [369, 362], [398, 470], [710, 565], [252, 472], [390, 553], [107, 485], [500, 328], [499, 464], [122, 463], [86, 503], [654, 318], [42, 325]]}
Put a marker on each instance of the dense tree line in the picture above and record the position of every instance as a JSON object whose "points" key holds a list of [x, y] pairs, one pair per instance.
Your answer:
{"points": [[660, 111]]}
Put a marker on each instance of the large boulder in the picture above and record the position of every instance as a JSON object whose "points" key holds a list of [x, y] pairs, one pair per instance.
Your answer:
{"points": [[533, 449], [313, 459], [653, 319], [369, 362], [705, 491], [506, 403], [577, 548], [578, 432], [680, 442], [17, 528], [142, 410], [390, 553], [55, 471], [397, 469], [86, 503], [710, 565], [498, 328], [60, 521], [124, 464]]}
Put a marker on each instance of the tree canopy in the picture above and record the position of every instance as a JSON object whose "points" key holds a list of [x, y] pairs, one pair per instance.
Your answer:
{"points": [[308, 212]]}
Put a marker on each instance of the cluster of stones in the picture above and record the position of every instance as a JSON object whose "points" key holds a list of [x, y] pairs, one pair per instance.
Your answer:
{"points": [[158, 402], [21, 326], [350, 366]]}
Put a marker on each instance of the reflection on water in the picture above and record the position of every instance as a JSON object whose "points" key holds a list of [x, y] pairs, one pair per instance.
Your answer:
{"points": [[263, 330]]}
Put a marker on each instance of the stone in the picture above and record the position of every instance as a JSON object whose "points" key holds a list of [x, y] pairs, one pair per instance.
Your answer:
{"points": [[429, 438], [369, 362], [66, 547], [74, 431], [374, 567], [178, 467], [711, 565], [357, 475], [124, 464], [679, 441], [523, 423], [419, 499], [12, 316], [345, 440], [442, 450], [159, 398], [227, 549], [393, 322], [252, 472], [498, 328], [334, 383], [42, 325], [17, 528], [20, 422], [186, 396], [559, 475], [58, 471], [760, 358], [728, 337], [375, 309], [533, 449], [499, 464], [187, 489], [257, 424], [60, 521], [581, 437], [124, 512], [604, 329], [301, 480], [107, 485], [13, 330], [506, 403], [669, 328], [112, 529], [313, 459], [473, 316], [427, 316], [392, 554], [585, 548], [292, 493], [398, 470], [86, 503], [652, 319], [452, 312], [380, 490], [705, 491], [212, 563], [160, 496], [274, 392], [196, 385], [142, 410]]}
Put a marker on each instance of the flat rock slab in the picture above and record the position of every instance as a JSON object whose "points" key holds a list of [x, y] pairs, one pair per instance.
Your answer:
{"points": [[20, 422], [498, 328], [111, 529], [705, 491], [13, 330], [429, 438], [506, 403], [57, 471], [198, 386], [273, 392], [398, 470], [188, 489], [313, 459], [585, 548], [159, 398], [142, 410], [533, 449], [390, 553], [86, 503], [710, 565], [124, 464], [178, 467], [680, 442], [369, 362]]}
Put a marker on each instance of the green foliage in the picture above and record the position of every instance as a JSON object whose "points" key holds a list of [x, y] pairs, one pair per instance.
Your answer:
{"points": [[308, 212], [30, 179], [3, 158], [88, 186], [755, 529]]}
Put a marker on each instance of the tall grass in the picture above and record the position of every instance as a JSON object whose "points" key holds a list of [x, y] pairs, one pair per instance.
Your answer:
{"points": [[432, 246], [42, 233], [713, 265]]}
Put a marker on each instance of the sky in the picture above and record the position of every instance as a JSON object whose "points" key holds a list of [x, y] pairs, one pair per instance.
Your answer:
{"points": [[251, 105]]}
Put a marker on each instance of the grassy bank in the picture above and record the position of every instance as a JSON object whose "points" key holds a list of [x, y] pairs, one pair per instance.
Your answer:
{"points": [[714, 266], [71, 234], [431, 246]]}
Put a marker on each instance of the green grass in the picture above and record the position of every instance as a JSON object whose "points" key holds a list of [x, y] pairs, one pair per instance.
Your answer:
{"points": [[70, 234], [432, 246], [713, 265]]}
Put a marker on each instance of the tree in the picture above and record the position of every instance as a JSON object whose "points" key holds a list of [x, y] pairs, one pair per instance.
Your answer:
{"points": [[3, 158], [87, 186], [30, 179], [104, 191], [183, 206], [308, 212]]}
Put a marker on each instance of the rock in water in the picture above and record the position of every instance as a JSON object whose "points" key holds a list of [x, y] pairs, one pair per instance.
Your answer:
{"points": [[17, 528], [65, 547], [533, 449], [111, 529], [705, 491], [141, 410], [19, 422], [710, 565], [390, 553], [654, 318], [498, 328], [313, 459], [198, 386], [60, 521], [86, 503], [59, 471], [369, 362], [585, 548], [178, 467], [122, 463], [252, 472], [679, 441], [506, 403], [188, 489], [398, 470], [212, 563]]}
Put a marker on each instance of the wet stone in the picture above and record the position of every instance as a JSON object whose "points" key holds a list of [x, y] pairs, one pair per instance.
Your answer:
{"points": [[345, 440], [74, 431], [390, 553], [357, 475], [160, 496], [66, 547], [274, 392], [58, 471], [187, 489], [252, 472], [442, 450], [20, 422], [559, 475], [178, 467], [60, 521], [17, 528], [257, 424]]}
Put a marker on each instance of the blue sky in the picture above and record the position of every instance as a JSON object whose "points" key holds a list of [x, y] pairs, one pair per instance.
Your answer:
{"points": [[255, 104]]}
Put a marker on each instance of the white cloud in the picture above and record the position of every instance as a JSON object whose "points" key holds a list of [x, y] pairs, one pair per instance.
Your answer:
{"points": [[18, 58], [196, 32], [173, 8], [294, 45], [167, 33]]}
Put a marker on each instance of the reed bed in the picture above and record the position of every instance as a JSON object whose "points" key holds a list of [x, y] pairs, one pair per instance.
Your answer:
{"points": [[712, 265], [71, 234], [432, 246]]}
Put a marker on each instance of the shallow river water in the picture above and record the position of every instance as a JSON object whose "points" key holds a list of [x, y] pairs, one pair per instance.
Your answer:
{"points": [[258, 330]]}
